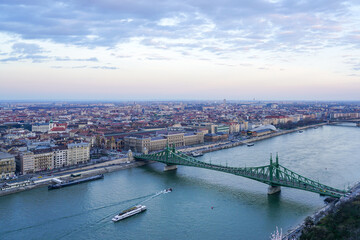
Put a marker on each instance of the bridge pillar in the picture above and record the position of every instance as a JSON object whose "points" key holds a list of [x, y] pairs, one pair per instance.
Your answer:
{"points": [[274, 189], [170, 167], [130, 156]]}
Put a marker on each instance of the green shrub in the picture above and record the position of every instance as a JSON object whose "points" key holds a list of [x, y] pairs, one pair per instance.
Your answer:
{"points": [[340, 225]]}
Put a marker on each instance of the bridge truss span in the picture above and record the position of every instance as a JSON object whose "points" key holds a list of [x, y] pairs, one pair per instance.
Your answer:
{"points": [[273, 174]]}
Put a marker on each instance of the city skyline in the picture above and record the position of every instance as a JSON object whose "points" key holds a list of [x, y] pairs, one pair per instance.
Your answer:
{"points": [[111, 50]]}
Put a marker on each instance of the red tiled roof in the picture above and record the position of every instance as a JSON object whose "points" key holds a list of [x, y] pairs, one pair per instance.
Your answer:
{"points": [[275, 117], [58, 129]]}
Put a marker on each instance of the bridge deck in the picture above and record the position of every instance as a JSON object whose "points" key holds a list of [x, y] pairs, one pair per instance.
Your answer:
{"points": [[273, 174]]}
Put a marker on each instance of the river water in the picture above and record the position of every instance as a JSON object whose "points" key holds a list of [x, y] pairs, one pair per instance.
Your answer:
{"points": [[205, 204]]}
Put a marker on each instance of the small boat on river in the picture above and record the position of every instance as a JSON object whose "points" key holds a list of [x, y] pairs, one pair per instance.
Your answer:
{"points": [[197, 154]]}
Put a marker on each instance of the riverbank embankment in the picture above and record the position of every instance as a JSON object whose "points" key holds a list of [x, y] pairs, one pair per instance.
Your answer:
{"points": [[331, 207], [119, 164], [228, 144], [87, 171]]}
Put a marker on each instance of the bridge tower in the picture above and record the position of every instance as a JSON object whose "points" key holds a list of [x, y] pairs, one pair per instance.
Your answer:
{"points": [[169, 167], [274, 166]]}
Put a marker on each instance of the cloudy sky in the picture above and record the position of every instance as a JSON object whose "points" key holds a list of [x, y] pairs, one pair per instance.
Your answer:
{"points": [[180, 49]]}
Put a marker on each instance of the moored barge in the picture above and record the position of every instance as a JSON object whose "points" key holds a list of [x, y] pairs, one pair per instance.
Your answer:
{"points": [[73, 182]]}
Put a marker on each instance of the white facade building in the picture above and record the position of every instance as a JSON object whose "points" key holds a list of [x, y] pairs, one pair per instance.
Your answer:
{"points": [[40, 127], [60, 156], [78, 153], [26, 162]]}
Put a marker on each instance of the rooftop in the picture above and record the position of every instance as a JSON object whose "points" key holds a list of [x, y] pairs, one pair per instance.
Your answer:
{"points": [[84, 144], [4, 155]]}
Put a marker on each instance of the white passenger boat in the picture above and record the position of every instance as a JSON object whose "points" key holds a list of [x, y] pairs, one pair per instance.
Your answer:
{"points": [[197, 154], [129, 212]]}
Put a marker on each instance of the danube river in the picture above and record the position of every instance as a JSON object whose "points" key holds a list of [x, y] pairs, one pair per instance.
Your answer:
{"points": [[205, 204]]}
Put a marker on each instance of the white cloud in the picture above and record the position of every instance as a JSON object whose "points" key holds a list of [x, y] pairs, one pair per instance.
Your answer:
{"points": [[169, 22], [127, 35]]}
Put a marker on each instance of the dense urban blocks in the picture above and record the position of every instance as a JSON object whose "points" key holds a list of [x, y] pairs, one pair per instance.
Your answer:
{"points": [[46, 136]]}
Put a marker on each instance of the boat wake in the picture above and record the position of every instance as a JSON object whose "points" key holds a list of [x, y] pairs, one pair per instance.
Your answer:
{"points": [[168, 190], [138, 208], [74, 215], [157, 194], [101, 221]]}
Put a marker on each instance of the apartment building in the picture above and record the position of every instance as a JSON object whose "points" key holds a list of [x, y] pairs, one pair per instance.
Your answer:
{"points": [[52, 157], [43, 159], [25, 162], [7, 165], [178, 139], [40, 127], [78, 153], [60, 156]]}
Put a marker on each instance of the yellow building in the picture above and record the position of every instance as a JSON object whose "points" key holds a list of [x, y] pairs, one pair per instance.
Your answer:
{"points": [[78, 153], [179, 139], [7, 165]]}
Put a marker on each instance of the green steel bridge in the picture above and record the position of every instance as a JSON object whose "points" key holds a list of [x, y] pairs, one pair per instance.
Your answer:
{"points": [[274, 174], [339, 121]]}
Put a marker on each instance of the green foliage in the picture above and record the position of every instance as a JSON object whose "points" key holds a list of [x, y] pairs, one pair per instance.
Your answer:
{"points": [[341, 225], [301, 123], [309, 222]]}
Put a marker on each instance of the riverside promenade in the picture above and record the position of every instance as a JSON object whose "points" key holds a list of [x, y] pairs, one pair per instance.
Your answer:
{"points": [[228, 144], [101, 168]]}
